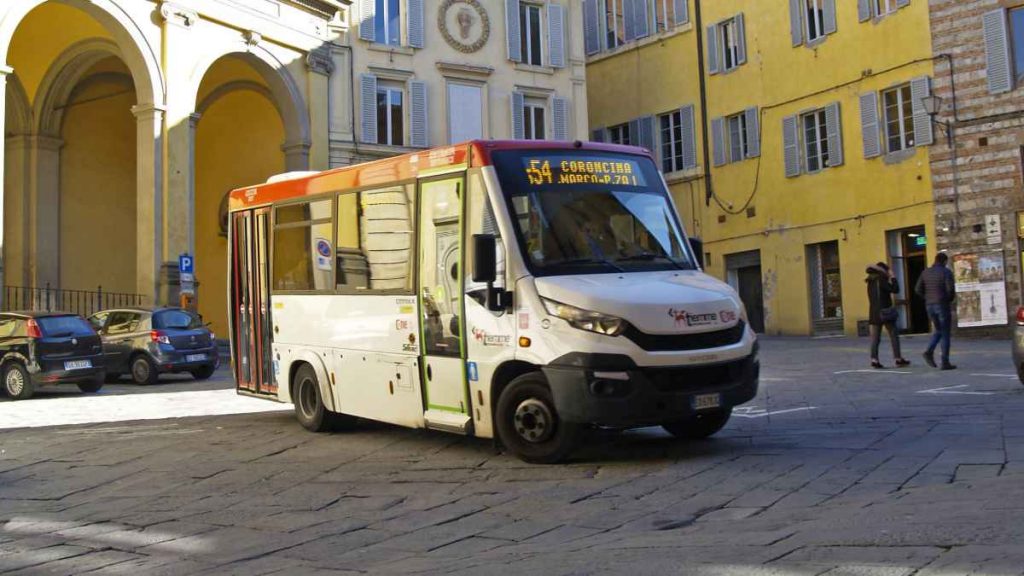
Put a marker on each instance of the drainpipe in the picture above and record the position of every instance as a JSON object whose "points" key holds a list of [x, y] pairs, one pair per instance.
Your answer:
{"points": [[702, 80]]}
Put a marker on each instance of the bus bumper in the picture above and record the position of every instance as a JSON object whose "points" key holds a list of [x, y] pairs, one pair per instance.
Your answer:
{"points": [[608, 390]]}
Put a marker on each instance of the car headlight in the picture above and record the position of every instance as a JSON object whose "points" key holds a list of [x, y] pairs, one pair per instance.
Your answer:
{"points": [[585, 319]]}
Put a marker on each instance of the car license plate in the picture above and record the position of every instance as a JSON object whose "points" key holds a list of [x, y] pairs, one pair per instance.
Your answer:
{"points": [[707, 401], [78, 364], [195, 358]]}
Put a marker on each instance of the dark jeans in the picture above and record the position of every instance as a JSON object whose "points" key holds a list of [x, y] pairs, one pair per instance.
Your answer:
{"points": [[942, 319], [876, 339]]}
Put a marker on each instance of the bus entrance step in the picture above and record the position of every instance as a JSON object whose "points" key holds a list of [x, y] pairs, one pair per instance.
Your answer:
{"points": [[447, 421]]}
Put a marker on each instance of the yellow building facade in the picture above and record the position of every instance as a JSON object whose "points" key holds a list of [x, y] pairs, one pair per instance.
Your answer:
{"points": [[808, 157]]}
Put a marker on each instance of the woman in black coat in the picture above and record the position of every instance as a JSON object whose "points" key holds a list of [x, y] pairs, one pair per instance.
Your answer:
{"points": [[882, 313]]}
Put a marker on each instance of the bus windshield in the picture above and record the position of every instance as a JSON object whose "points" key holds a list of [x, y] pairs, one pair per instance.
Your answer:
{"points": [[587, 212]]}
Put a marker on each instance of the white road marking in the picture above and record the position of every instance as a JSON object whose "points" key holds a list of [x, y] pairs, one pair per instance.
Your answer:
{"points": [[954, 390], [763, 379], [755, 412], [102, 408], [872, 371], [995, 375]]}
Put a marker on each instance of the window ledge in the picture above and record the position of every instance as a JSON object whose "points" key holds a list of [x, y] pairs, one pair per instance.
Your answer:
{"points": [[681, 176], [385, 150], [816, 43], [537, 69], [391, 49], [638, 44], [900, 156]]}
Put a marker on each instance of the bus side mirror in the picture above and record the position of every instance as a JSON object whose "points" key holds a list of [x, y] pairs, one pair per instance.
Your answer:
{"points": [[485, 264], [697, 245]]}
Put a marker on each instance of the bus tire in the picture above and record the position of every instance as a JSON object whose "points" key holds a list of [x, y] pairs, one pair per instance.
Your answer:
{"points": [[528, 424], [700, 426], [310, 410]]}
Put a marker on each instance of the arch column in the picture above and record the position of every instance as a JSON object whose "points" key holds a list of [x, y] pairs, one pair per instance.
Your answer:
{"points": [[150, 223], [4, 72], [44, 208]]}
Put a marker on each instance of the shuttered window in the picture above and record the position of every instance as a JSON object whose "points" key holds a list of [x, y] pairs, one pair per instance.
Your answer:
{"points": [[419, 134], [387, 22], [530, 34], [664, 15], [560, 118], [727, 45], [815, 19], [414, 23], [999, 71], [556, 36], [534, 119], [899, 118], [868, 9], [811, 20], [812, 141], [620, 134], [390, 115], [815, 140], [591, 27], [737, 133], [677, 140], [614, 24]]}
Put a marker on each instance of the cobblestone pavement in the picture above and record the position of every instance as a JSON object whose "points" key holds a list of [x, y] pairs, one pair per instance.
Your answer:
{"points": [[831, 470]]}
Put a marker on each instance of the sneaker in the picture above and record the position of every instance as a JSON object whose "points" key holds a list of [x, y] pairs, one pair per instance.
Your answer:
{"points": [[947, 366], [902, 362], [877, 365], [929, 359]]}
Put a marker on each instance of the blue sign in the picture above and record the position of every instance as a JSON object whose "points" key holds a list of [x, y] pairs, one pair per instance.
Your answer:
{"points": [[186, 264], [471, 372]]}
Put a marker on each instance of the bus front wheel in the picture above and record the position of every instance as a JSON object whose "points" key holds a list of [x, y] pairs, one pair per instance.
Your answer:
{"points": [[309, 404], [528, 424]]}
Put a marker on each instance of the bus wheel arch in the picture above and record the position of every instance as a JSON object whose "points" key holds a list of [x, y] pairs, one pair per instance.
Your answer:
{"points": [[503, 376], [317, 366], [528, 424]]}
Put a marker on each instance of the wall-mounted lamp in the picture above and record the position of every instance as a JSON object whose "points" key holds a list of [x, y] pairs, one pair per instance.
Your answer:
{"points": [[932, 106]]}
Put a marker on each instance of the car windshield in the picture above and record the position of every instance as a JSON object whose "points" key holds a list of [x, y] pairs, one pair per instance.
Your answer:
{"points": [[585, 212], [176, 320], [60, 326]]}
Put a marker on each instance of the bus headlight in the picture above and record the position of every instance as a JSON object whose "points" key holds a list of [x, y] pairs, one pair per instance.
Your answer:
{"points": [[585, 319]]}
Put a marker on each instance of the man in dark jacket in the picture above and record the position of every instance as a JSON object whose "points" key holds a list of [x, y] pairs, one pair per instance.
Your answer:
{"points": [[938, 290]]}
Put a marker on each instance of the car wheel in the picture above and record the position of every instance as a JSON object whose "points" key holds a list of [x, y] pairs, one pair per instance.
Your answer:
{"points": [[700, 426], [143, 370], [528, 424], [112, 377], [309, 405], [94, 386], [17, 383], [204, 373]]}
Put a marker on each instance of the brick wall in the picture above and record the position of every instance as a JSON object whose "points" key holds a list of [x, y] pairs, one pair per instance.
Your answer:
{"points": [[989, 133]]}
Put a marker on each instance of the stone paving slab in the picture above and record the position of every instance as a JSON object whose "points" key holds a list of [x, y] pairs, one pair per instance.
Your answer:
{"points": [[881, 477]]}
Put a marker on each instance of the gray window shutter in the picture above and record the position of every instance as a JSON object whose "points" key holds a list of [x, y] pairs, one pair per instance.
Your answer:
{"points": [[997, 52], [712, 49], [924, 134], [597, 135], [864, 10], [518, 128], [368, 107], [682, 11], [869, 125], [741, 39], [556, 35], [629, 20], [834, 131], [791, 145], [753, 132], [829, 12], [414, 23], [419, 133], [718, 140], [591, 27], [560, 118], [512, 32], [796, 21], [367, 9], [641, 19], [645, 133], [689, 131], [902, 3]]}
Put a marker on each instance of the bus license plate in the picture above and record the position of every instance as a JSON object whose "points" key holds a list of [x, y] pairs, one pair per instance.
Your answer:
{"points": [[195, 358], [707, 401], [78, 364]]}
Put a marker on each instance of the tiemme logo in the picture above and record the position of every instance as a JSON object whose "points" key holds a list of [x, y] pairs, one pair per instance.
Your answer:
{"points": [[689, 319]]}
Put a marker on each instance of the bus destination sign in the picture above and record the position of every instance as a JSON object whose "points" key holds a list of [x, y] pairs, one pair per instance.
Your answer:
{"points": [[569, 170]]}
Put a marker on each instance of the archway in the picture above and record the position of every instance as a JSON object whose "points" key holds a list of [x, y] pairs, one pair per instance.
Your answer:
{"points": [[82, 174], [242, 134]]}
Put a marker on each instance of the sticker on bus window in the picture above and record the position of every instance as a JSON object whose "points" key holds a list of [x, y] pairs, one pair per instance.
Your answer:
{"points": [[323, 254], [471, 372]]}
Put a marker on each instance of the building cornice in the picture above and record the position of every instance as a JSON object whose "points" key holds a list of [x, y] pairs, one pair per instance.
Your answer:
{"points": [[456, 69]]}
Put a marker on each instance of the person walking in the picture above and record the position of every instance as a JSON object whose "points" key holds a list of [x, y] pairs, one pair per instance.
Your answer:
{"points": [[882, 313], [939, 292]]}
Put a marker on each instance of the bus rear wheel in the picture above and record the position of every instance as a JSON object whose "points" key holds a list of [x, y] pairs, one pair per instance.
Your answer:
{"points": [[700, 426], [310, 410], [528, 424]]}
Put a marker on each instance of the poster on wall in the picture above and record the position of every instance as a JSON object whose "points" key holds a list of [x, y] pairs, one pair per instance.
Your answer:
{"points": [[980, 289]]}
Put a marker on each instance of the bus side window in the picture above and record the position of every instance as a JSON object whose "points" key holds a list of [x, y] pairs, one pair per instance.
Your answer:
{"points": [[482, 219], [375, 233]]}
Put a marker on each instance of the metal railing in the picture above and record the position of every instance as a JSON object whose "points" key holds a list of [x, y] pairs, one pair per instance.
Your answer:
{"points": [[83, 302]]}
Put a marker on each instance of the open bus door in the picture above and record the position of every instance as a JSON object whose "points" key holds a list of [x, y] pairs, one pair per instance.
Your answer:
{"points": [[250, 302]]}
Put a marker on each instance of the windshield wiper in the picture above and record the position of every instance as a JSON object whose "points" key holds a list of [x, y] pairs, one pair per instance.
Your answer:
{"points": [[604, 261], [648, 256]]}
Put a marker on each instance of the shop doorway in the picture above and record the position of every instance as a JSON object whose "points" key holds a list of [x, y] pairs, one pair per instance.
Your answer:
{"points": [[908, 255], [826, 288], [744, 275]]}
